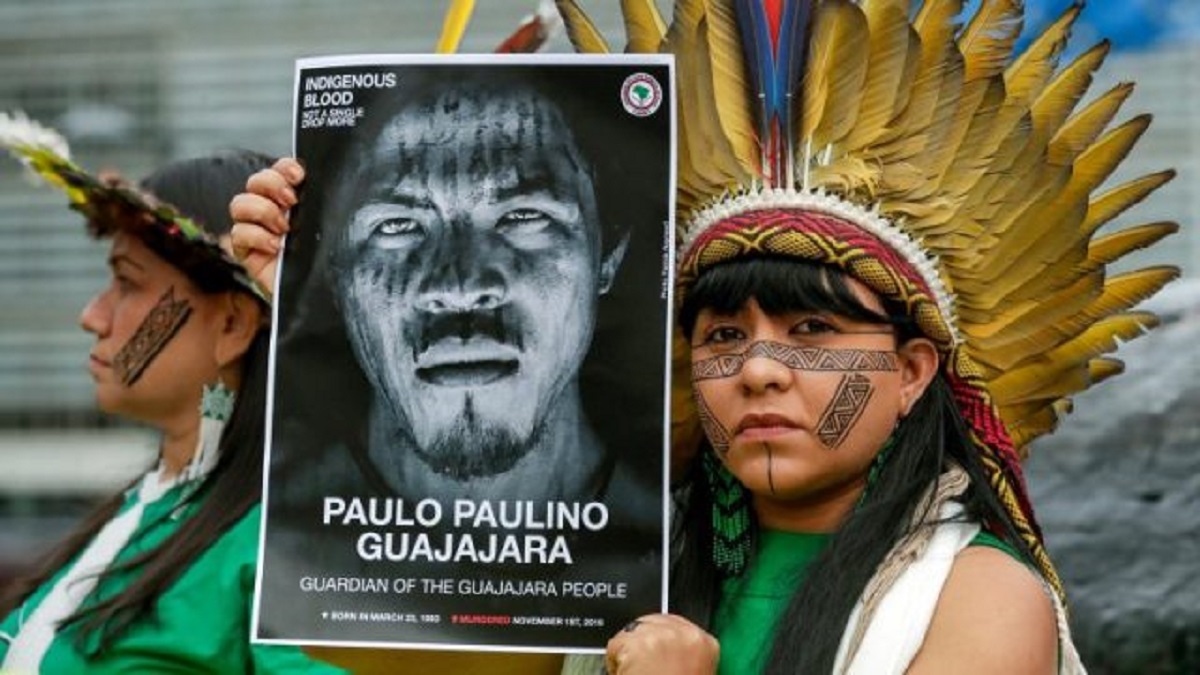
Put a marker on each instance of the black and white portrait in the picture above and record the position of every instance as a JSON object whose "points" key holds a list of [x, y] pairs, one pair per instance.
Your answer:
{"points": [[469, 374]]}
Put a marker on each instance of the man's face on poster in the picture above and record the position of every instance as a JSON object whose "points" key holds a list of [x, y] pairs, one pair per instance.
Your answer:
{"points": [[469, 274]]}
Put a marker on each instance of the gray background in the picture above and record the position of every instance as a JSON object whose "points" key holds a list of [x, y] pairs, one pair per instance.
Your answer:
{"points": [[135, 83]]}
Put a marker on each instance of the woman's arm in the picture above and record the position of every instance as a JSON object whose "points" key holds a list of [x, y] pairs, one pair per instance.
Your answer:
{"points": [[993, 616]]}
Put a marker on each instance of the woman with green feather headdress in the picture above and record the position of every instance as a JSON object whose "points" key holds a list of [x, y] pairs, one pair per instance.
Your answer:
{"points": [[161, 576]]}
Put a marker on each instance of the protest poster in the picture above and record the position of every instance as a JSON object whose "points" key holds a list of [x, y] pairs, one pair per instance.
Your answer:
{"points": [[468, 400]]}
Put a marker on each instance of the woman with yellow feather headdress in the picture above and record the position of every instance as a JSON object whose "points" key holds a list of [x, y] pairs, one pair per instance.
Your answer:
{"points": [[888, 285]]}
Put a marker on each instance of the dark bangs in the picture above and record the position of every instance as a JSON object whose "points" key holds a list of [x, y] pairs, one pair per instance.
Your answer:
{"points": [[782, 285]]}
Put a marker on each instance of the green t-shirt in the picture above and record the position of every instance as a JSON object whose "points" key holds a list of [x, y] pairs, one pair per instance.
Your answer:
{"points": [[202, 622], [750, 606]]}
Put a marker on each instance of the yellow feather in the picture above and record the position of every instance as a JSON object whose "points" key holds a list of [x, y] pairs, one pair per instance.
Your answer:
{"points": [[1102, 337], [974, 150], [644, 26], [1085, 126], [1061, 96], [988, 39], [1028, 75], [1090, 374], [1052, 233], [956, 106], [711, 166], [935, 20], [817, 73], [1112, 203], [908, 79], [1103, 368], [890, 51], [849, 176], [1045, 421], [1065, 383], [583, 33], [908, 134], [730, 85], [1108, 248], [1119, 294], [992, 328], [848, 60], [454, 25]]}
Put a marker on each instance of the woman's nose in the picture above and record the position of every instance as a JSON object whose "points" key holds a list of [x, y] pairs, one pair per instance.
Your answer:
{"points": [[762, 369], [94, 318]]}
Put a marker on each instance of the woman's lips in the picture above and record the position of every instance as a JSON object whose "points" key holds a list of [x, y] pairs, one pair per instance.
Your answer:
{"points": [[96, 363], [764, 427]]}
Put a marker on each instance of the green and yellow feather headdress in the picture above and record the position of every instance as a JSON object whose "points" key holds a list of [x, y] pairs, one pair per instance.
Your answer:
{"points": [[110, 204], [925, 158]]}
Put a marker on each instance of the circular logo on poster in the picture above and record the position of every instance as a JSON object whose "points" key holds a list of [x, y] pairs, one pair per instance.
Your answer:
{"points": [[641, 94]]}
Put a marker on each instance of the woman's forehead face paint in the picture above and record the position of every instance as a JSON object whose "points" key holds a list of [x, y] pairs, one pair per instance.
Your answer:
{"points": [[160, 325]]}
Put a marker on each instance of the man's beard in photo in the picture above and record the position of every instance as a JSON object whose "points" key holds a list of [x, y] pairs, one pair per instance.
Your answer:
{"points": [[473, 447]]}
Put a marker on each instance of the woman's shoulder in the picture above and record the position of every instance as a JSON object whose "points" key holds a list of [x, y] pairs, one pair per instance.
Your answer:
{"points": [[994, 613]]}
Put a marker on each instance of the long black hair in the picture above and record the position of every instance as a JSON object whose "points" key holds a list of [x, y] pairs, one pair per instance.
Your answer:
{"points": [[931, 437], [201, 189]]}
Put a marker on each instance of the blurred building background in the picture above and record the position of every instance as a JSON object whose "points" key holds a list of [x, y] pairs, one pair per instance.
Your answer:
{"points": [[135, 83]]}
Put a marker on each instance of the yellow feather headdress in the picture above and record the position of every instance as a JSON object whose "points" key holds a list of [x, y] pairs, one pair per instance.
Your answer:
{"points": [[929, 161]]}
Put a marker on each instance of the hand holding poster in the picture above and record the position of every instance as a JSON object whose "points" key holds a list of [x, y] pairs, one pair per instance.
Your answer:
{"points": [[467, 442]]}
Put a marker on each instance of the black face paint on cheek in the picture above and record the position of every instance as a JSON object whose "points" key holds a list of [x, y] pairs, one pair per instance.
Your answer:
{"points": [[796, 358], [770, 467], [162, 323], [849, 401], [718, 435]]}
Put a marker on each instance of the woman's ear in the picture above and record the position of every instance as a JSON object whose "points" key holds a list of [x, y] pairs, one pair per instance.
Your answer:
{"points": [[241, 319], [918, 366]]}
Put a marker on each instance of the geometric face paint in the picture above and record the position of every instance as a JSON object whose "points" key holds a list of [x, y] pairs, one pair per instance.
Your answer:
{"points": [[849, 401], [718, 435], [162, 323], [796, 358]]}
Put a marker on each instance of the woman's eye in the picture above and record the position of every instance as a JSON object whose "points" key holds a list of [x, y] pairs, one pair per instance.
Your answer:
{"points": [[523, 219], [722, 335], [813, 326], [397, 227]]}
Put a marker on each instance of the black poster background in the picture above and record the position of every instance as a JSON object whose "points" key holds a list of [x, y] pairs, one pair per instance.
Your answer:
{"points": [[313, 586]]}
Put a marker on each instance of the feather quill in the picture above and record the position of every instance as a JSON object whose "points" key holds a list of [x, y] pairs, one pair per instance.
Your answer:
{"points": [[458, 15], [837, 51]]}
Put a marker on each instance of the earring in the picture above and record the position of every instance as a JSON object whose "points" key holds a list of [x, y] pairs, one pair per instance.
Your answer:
{"points": [[216, 407], [730, 518]]}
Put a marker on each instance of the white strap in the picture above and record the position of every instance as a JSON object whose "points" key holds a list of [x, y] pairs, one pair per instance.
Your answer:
{"points": [[902, 617], [37, 632]]}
